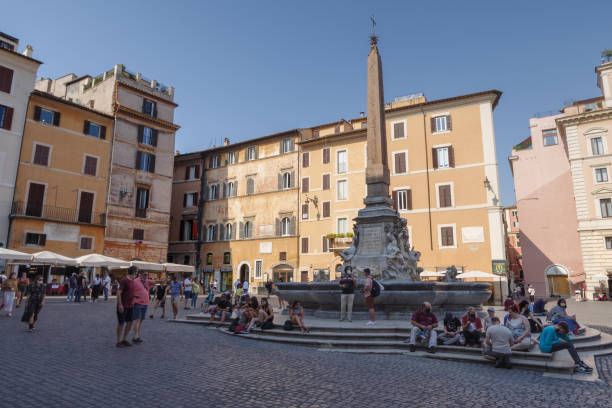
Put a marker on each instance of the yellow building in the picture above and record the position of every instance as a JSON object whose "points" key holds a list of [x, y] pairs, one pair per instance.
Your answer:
{"points": [[444, 181], [61, 187]]}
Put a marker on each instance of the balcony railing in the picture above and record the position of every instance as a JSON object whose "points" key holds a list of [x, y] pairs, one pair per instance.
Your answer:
{"points": [[35, 210], [141, 213]]}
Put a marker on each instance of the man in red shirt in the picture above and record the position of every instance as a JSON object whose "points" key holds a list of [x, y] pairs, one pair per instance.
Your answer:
{"points": [[141, 286], [125, 304], [424, 323]]}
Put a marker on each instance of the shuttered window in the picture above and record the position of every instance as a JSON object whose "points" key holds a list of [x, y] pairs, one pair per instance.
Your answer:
{"points": [[94, 130], [305, 245], [304, 211], [326, 155], [400, 162], [6, 79], [145, 161], [250, 186], [444, 195], [402, 199], [86, 206], [326, 209], [6, 117], [326, 181], [91, 165], [41, 155], [305, 159], [36, 195], [46, 116], [398, 130], [86, 243], [443, 157], [441, 123], [305, 185], [446, 236], [325, 244], [138, 234]]}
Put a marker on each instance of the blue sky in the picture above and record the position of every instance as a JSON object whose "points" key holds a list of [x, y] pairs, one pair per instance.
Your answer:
{"points": [[245, 69]]}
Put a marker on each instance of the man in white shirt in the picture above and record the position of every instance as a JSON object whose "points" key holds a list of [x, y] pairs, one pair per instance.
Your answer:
{"points": [[106, 284], [187, 290], [245, 287]]}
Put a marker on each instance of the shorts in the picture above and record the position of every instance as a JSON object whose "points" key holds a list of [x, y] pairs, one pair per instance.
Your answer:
{"points": [[175, 300], [187, 294], [369, 301], [126, 316], [140, 312], [220, 313]]}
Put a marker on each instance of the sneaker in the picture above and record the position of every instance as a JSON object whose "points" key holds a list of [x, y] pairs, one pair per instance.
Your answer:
{"points": [[370, 323], [245, 332], [151, 316], [126, 343], [412, 348], [431, 350], [137, 341], [583, 368], [120, 345], [28, 330]]}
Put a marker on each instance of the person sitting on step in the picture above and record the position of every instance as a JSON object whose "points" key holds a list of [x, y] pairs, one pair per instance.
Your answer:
{"points": [[452, 330], [559, 314], [472, 328], [499, 342], [296, 315], [423, 323], [520, 328], [555, 338], [222, 308]]}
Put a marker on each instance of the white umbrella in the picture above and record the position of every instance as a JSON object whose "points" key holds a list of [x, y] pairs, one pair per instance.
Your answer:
{"points": [[600, 277], [147, 266], [475, 274], [101, 260], [172, 267], [6, 253], [432, 273], [51, 258]]}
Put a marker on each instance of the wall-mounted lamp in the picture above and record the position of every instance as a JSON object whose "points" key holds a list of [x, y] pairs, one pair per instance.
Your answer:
{"points": [[487, 183]]}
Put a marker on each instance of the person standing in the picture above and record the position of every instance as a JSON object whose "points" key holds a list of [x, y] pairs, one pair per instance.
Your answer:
{"points": [[369, 299], [160, 299], [499, 342], [269, 287], [347, 284], [9, 289], [106, 284], [532, 292], [141, 301], [125, 307], [245, 287], [22, 286], [175, 289], [79, 287], [187, 290], [72, 284], [237, 284], [95, 289], [195, 291], [36, 300]]}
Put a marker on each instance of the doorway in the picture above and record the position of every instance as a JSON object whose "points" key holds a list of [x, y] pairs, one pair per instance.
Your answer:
{"points": [[244, 273], [304, 276], [557, 281]]}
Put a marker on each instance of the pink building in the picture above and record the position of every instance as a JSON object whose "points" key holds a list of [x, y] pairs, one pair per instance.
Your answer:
{"points": [[550, 244]]}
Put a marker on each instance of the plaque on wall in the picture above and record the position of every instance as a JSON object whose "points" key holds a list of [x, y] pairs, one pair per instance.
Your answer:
{"points": [[371, 240]]}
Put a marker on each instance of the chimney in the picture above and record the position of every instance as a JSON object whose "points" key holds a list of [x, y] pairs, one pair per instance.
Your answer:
{"points": [[361, 115], [176, 153], [604, 82], [226, 142], [28, 51]]}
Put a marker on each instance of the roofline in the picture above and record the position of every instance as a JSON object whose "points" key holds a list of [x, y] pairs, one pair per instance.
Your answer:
{"points": [[67, 102], [597, 98], [10, 37], [334, 136], [22, 56], [74, 80]]}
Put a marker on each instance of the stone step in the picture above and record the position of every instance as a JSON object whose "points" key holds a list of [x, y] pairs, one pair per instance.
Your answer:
{"points": [[539, 365]]}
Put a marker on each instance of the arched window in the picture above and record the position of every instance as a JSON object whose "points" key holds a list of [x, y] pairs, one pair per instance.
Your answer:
{"points": [[228, 231], [286, 180], [285, 223], [250, 186], [248, 229], [211, 232]]}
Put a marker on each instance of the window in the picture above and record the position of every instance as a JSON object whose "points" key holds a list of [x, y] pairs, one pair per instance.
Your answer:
{"points": [[326, 155], [402, 199], [304, 245], [232, 158], [94, 130], [342, 225], [286, 180], [441, 123], [597, 146], [601, 175], [209, 258], [304, 211], [7, 46], [326, 209], [186, 260], [258, 269], [326, 181], [46, 116], [608, 242], [149, 107], [32, 238], [514, 213], [228, 231], [400, 162], [86, 243], [86, 202], [447, 236], [364, 125], [251, 153], [6, 79], [142, 202], [282, 256], [138, 234], [192, 172], [145, 161], [190, 200], [211, 233], [285, 226], [591, 106], [305, 185], [445, 196], [398, 130], [515, 224], [305, 159], [550, 137], [606, 207], [215, 161], [342, 161], [325, 244], [90, 166], [250, 186], [443, 157], [36, 196], [6, 117], [342, 190], [227, 258], [41, 155], [248, 229], [213, 192], [287, 145]]}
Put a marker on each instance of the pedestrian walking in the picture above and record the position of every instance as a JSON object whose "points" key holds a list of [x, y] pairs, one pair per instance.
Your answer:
{"points": [[125, 307], [175, 289], [9, 290], [36, 300], [106, 285], [22, 286], [369, 299], [72, 286], [532, 292], [95, 289], [281, 302], [348, 285], [142, 284], [269, 287], [80, 284], [187, 287], [195, 291], [160, 299]]}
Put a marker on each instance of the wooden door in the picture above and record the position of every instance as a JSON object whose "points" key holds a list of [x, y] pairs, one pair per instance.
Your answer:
{"points": [[558, 285], [86, 206], [36, 197]]}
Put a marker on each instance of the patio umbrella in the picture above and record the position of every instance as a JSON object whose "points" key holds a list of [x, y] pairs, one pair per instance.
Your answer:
{"points": [[101, 260], [147, 266], [51, 258], [6, 253], [432, 274], [172, 267], [475, 274]]}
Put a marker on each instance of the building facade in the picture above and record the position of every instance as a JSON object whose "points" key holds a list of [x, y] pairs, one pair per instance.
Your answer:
{"points": [[514, 252], [17, 76], [60, 193], [544, 196], [138, 202]]}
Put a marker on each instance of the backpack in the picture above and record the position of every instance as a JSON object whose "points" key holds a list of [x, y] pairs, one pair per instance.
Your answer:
{"points": [[268, 325], [376, 288], [288, 325]]}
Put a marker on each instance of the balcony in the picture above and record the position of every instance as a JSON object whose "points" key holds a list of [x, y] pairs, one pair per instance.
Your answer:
{"points": [[339, 242], [52, 213], [141, 213]]}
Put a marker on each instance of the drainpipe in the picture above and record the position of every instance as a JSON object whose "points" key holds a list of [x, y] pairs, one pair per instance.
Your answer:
{"points": [[198, 248], [428, 184]]}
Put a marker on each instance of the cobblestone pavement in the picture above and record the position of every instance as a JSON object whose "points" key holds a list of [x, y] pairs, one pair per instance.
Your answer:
{"points": [[71, 360]]}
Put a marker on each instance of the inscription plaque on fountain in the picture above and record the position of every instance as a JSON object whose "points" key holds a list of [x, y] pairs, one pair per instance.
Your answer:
{"points": [[371, 241]]}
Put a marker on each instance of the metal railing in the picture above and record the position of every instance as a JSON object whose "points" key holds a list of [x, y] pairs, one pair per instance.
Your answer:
{"points": [[73, 215]]}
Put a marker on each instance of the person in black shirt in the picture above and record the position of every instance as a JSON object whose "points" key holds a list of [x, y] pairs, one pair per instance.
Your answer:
{"points": [[160, 299], [348, 285], [452, 329], [222, 308]]}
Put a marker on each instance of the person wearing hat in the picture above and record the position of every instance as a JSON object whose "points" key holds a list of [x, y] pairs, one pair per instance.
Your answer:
{"points": [[348, 285], [125, 305], [488, 320]]}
